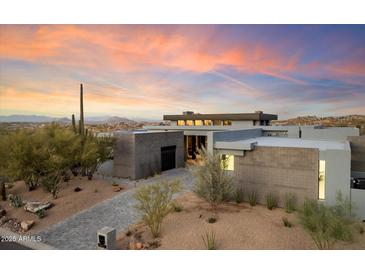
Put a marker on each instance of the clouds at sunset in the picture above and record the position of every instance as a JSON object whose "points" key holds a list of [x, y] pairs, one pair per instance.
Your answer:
{"points": [[146, 71]]}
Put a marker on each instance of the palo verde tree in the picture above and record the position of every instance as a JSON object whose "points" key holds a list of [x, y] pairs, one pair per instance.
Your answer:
{"points": [[211, 180]]}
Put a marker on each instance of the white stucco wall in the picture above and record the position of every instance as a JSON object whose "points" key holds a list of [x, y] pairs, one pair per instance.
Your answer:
{"points": [[242, 123], [358, 201]]}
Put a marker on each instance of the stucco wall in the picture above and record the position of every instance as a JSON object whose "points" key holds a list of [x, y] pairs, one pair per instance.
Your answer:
{"points": [[331, 133], [279, 170], [357, 153], [124, 156]]}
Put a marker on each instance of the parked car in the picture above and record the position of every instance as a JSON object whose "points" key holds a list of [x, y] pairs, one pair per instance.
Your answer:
{"points": [[358, 183]]}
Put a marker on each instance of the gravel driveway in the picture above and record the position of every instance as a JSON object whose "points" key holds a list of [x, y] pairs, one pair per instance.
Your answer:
{"points": [[79, 231]]}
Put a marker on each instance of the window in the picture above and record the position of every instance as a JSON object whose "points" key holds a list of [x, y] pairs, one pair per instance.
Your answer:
{"points": [[229, 164], [217, 122], [189, 123], [227, 122], [198, 122], [208, 122], [322, 180], [181, 123]]}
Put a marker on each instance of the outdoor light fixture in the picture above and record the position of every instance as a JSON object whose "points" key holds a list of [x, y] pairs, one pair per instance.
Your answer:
{"points": [[107, 237]]}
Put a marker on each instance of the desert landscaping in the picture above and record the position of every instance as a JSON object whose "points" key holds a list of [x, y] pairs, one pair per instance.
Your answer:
{"points": [[238, 226], [74, 196]]}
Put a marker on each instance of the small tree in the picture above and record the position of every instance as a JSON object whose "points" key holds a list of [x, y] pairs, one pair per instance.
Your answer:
{"points": [[212, 182], [154, 202], [327, 224]]}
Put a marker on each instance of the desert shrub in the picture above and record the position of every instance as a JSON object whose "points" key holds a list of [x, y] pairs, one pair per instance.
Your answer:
{"points": [[41, 213], [238, 195], [286, 222], [212, 220], [271, 201], [154, 202], [51, 183], [327, 224], [210, 241], [15, 200], [211, 181], [289, 202], [252, 197]]}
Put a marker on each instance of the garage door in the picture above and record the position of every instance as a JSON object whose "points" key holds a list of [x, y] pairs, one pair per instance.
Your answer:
{"points": [[168, 158]]}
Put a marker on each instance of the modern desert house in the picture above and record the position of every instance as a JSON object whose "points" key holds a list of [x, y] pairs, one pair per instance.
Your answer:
{"points": [[309, 161]]}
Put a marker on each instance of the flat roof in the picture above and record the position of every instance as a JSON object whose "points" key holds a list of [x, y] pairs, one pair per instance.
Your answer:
{"points": [[222, 116], [282, 142]]}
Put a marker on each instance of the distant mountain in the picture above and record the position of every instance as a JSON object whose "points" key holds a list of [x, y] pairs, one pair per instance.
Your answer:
{"points": [[32, 119], [108, 120]]}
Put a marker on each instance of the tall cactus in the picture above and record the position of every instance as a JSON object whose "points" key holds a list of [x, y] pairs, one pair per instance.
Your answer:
{"points": [[74, 123], [79, 127], [82, 123]]}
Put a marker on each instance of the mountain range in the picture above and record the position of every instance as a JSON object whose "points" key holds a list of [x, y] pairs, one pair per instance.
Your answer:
{"points": [[48, 119]]}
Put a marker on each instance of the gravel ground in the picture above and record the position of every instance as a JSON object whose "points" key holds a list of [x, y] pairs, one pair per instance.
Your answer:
{"points": [[79, 231]]}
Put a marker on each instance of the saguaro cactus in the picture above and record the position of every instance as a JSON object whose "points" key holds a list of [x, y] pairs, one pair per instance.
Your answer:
{"points": [[82, 124], [74, 123]]}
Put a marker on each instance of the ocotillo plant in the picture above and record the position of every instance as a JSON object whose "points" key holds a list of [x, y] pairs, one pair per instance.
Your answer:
{"points": [[74, 124], [82, 124]]}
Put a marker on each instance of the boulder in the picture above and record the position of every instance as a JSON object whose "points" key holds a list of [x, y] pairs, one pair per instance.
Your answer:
{"points": [[36, 206], [26, 225], [77, 189], [117, 188]]}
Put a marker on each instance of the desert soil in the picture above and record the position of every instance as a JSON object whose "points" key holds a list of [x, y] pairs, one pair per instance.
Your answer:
{"points": [[68, 202], [238, 227]]}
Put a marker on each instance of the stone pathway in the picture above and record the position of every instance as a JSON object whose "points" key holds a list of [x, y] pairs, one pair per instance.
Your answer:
{"points": [[79, 231]]}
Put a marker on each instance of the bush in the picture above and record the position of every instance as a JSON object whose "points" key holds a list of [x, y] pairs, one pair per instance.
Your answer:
{"points": [[212, 182], [271, 201], [154, 202], [177, 207], [210, 240], [289, 202], [239, 195], [51, 183], [327, 224], [41, 213], [253, 197], [15, 200], [286, 222]]}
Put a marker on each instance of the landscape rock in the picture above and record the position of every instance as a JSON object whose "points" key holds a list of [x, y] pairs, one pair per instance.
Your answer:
{"points": [[2, 212], [36, 206], [77, 189], [3, 220], [117, 188], [26, 225]]}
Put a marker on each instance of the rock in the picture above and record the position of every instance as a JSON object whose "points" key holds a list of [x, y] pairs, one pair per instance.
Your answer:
{"points": [[26, 225], [138, 246], [77, 189], [117, 188], [36, 206], [3, 220], [2, 212]]}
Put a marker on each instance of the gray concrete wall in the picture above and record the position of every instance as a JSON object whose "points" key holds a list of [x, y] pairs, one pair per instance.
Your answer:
{"points": [[358, 201], [242, 123], [148, 151], [124, 162], [107, 168], [279, 170], [357, 144], [331, 133], [338, 173]]}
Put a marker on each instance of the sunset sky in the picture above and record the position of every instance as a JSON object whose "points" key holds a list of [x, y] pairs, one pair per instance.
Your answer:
{"points": [[145, 71]]}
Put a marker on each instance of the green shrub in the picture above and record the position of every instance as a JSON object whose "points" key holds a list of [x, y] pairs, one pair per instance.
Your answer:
{"points": [[271, 201], [41, 213], [15, 200], [252, 197], [51, 183], [327, 224], [286, 222], [289, 202], [154, 202], [211, 181], [210, 240], [239, 195]]}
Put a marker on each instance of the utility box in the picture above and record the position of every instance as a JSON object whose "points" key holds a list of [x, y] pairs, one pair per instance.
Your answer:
{"points": [[107, 238]]}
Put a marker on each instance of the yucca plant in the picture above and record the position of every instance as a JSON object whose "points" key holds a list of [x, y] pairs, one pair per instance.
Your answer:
{"points": [[210, 240], [289, 202], [271, 201], [252, 197]]}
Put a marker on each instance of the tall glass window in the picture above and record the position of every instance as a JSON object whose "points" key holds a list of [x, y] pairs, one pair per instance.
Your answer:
{"points": [[189, 123], [181, 123], [208, 122], [198, 122], [322, 180], [227, 162]]}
